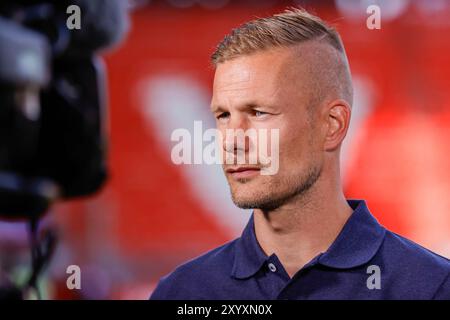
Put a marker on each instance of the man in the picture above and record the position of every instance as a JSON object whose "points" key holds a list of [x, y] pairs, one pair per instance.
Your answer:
{"points": [[304, 240]]}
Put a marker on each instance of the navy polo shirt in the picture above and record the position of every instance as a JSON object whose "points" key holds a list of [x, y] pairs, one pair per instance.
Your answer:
{"points": [[366, 261]]}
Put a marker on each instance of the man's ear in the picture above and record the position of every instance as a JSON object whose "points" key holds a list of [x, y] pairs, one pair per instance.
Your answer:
{"points": [[337, 118]]}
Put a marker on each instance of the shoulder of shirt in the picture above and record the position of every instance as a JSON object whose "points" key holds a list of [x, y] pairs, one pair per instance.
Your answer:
{"points": [[422, 264], [412, 251], [204, 268]]}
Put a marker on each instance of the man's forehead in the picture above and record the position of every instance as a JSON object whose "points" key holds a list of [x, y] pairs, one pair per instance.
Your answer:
{"points": [[255, 70], [274, 64], [233, 75], [239, 85]]}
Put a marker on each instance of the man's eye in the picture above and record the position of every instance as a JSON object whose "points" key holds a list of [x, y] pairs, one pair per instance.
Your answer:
{"points": [[259, 113], [223, 115]]}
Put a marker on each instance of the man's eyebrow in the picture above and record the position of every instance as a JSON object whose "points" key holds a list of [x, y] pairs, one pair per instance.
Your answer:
{"points": [[215, 108], [257, 105], [247, 106]]}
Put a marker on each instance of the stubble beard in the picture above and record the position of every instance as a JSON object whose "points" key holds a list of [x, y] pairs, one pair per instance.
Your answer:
{"points": [[294, 188]]}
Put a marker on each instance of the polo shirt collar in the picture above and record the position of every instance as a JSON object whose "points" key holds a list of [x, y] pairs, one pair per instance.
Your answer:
{"points": [[248, 255], [357, 243]]}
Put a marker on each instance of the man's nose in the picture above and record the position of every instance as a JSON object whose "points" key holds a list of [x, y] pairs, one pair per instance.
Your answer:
{"points": [[234, 137]]}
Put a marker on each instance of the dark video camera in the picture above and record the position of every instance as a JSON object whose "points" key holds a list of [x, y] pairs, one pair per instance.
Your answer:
{"points": [[53, 119]]}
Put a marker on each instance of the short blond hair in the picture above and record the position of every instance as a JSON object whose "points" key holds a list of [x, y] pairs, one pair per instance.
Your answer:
{"points": [[285, 29]]}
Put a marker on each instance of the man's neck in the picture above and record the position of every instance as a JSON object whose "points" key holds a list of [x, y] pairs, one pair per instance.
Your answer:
{"points": [[300, 230]]}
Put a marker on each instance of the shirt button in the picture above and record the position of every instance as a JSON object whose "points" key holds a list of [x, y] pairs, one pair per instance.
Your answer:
{"points": [[272, 267]]}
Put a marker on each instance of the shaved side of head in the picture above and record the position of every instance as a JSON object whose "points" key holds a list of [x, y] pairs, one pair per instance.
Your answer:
{"points": [[328, 72]]}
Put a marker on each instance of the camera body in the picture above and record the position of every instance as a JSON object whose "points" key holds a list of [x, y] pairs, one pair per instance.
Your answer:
{"points": [[53, 116]]}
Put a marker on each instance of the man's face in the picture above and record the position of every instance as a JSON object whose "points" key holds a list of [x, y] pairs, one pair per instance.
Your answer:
{"points": [[269, 90]]}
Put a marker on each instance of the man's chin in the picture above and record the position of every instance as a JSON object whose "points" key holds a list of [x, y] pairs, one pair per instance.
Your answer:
{"points": [[248, 193], [246, 201], [255, 198], [245, 204]]}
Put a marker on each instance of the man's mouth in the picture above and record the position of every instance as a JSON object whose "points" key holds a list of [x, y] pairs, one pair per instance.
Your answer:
{"points": [[243, 172]]}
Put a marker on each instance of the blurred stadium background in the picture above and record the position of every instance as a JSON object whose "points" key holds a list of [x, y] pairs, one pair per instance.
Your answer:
{"points": [[153, 215]]}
